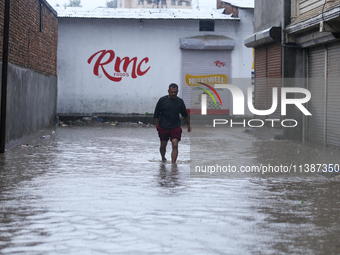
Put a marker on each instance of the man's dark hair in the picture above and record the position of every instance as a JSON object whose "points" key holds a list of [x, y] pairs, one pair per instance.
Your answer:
{"points": [[173, 85]]}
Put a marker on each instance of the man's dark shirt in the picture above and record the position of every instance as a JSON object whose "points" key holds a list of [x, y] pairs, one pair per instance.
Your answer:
{"points": [[167, 111]]}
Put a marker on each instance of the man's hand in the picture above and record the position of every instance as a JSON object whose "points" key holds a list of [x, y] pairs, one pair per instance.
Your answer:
{"points": [[188, 123], [156, 123]]}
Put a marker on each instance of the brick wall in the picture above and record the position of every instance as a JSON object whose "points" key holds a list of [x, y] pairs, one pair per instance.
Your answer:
{"points": [[228, 8], [29, 46]]}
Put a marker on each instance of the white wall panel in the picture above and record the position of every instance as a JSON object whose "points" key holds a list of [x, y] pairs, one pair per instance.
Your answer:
{"points": [[82, 92]]}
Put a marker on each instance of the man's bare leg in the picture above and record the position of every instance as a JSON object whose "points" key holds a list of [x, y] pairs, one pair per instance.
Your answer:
{"points": [[174, 152], [162, 150]]}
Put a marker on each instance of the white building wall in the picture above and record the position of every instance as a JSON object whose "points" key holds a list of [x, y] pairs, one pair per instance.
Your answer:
{"points": [[82, 92], [242, 57], [173, 4]]}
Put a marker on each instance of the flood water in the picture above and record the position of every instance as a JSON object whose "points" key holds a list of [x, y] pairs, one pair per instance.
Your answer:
{"points": [[104, 190]]}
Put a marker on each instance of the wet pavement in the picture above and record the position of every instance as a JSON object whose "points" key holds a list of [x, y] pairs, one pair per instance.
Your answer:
{"points": [[103, 190]]}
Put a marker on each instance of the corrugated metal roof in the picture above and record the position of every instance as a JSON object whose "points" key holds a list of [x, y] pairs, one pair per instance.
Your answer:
{"points": [[241, 3], [110, 13]]}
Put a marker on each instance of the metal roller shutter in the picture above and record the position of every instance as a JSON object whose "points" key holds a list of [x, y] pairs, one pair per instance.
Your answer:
{"points": [[268, 76], [333, 95], [274, 77], [316, 85], [260, 78], [201, 63]]}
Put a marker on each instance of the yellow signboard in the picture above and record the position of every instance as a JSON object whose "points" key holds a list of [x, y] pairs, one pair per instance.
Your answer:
{"points": [[193, 81]]}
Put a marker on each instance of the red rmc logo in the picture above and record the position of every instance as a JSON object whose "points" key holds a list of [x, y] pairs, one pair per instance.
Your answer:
{"points": [[120, 65], [219, 63]]}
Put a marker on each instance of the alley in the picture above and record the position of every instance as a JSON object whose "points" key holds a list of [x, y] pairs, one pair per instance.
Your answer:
{"points": [[104, 190]]}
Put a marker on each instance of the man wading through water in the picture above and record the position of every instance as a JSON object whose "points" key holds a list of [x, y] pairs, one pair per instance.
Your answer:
{"points": [[168, 122]]}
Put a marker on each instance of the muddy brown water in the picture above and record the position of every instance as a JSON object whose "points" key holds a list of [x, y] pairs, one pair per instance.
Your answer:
{"points": [[103, 190]]}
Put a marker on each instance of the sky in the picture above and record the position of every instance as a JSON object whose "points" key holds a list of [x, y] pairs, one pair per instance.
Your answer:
{"points": [[102, 3]]}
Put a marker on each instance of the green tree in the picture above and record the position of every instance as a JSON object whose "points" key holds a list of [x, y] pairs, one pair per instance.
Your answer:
{"points": [[111, 4], [73, 3]]}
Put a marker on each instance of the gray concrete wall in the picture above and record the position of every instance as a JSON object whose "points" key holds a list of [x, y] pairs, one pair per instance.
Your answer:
{"points": [[31, 102], [267, 14]]}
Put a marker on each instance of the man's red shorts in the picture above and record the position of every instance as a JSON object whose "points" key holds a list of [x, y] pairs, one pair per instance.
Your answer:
{"points": [[165, 134]]}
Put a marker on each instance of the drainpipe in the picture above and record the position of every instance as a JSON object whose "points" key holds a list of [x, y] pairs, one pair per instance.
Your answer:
{"points": [[305, 85], [283, 51], [282, 39], [4, 77]]}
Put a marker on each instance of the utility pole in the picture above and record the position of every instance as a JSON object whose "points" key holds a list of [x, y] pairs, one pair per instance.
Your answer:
{"points": [[4, 77]]}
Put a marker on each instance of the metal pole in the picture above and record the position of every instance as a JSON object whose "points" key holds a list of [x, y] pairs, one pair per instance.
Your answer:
{"points": [[4, 77], [325, 99], [305, 75]]}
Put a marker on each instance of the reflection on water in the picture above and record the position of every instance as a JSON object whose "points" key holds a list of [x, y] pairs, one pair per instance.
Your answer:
{"points": [[232, 153], [169, 176], [104, 190], [301, 214]]}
